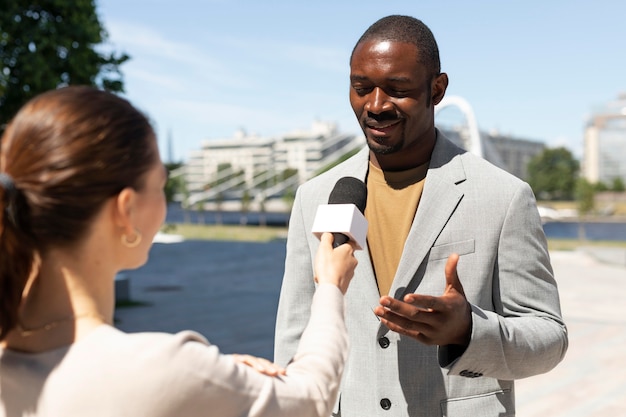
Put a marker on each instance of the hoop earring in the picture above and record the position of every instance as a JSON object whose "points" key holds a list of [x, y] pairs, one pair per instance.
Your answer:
{"points": [[134, 242]]}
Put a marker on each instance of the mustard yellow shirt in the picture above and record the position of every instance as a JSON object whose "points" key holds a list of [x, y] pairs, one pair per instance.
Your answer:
{"points": [[392, 200]]}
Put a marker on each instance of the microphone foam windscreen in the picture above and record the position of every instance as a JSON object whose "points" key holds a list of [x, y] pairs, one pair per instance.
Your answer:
{"points": [[349, 190]]}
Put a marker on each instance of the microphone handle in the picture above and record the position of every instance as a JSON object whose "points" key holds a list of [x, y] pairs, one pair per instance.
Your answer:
{"points": [[339, 239]]}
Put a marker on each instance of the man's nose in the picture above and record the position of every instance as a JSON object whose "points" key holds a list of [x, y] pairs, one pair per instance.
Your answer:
{"points": [[378, 101]]}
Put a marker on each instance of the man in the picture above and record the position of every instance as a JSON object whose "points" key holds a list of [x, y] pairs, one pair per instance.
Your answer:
{"points": [[454, 296]]}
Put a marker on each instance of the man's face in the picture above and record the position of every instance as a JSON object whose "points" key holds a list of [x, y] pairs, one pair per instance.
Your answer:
{"points": [[393, 97]]}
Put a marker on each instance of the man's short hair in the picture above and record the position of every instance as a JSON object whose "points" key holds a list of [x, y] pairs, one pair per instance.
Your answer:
{"points": [[398, 28]]}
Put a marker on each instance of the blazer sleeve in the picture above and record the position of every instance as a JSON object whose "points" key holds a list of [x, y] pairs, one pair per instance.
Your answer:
{"points": [[297, 288], [525, 334]]}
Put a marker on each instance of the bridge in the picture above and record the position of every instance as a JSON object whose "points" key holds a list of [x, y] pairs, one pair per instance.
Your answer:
{"points": [[473, 142]]}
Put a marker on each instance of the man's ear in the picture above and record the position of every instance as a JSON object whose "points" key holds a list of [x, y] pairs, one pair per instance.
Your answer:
{"points": [[123, 207], [439, 86]]}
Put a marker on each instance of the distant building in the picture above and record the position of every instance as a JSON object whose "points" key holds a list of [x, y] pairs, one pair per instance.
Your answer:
{"points": [[604, 154], [303, 152], [509, 153], [506, 152], [239, 153], [514, 153]]}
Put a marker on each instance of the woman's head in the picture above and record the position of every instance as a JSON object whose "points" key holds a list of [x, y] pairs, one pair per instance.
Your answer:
{"points": [[64, 155]]}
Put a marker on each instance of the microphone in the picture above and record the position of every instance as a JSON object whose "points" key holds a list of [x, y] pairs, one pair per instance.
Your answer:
{"points": [[343, 215]]}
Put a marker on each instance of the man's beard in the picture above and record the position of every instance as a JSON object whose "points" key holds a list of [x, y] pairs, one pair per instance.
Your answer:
{"points": [[381, 148], [376, 146]]}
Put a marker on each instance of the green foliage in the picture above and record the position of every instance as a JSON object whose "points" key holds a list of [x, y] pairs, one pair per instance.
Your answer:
{"points": [[618, 185], [600, 186], [585, 193], [223, 166], [175, 184], [246, 200], [237, 177], [273, 178], [244, 233], [288, 173], [49, 44], [553, 174]]}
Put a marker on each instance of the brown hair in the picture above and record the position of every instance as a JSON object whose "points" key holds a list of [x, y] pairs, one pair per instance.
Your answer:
{"points": [[63, 155]]}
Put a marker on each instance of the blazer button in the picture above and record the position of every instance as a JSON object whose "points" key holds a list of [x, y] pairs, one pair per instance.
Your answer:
{"points": [[385, 403], [470, 374], [383, 342]]}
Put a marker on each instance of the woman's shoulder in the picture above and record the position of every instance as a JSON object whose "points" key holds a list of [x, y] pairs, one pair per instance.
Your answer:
{"points": [[139, 372], [157, 358], [110, 340]]}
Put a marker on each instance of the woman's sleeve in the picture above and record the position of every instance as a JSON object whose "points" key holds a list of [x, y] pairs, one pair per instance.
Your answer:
{"points": [[209, 383]]}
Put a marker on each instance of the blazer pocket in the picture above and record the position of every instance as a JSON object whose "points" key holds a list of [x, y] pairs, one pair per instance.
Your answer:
{"points": [[498, 403], [443, 251]]}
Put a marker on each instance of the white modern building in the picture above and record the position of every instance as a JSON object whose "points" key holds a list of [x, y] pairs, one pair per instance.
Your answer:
{"points": [[250, 163], [604, 154]]}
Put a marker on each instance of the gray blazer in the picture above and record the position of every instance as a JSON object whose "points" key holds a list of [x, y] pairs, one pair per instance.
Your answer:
{"points": [[490, 219]]}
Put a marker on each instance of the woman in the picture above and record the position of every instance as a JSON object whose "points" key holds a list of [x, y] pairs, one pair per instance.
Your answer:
{"points": [[81, 198]]}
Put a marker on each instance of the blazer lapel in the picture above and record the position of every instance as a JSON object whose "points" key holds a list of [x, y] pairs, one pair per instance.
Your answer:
{"points": [[439, 200]]}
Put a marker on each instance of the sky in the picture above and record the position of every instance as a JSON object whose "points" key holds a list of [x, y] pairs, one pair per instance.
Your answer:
{"points": [[204, 69]]}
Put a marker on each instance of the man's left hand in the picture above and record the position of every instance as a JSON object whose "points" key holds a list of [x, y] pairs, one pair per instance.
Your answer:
{"points": [[444, 320]]}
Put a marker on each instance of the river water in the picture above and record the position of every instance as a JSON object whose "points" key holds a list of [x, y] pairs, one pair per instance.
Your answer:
{"points": [[597, 230]]}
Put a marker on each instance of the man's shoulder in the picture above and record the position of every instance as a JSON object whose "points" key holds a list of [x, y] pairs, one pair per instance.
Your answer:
{"points": [[482, 168]]}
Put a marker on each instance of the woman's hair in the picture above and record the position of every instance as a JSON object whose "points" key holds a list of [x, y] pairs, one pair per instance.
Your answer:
{"points": [[63, 155]]}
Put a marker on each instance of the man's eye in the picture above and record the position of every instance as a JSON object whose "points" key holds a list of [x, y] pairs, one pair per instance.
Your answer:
{"points": [[361, 90], [398, 93]]}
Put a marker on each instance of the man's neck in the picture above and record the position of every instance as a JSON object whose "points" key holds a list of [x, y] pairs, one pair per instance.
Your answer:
{"points": [[406, 158]]}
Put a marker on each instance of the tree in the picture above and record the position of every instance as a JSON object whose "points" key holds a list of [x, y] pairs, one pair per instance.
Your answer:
{"points": [[600, 186], [585, 196], [49, 44], [200, 210], [585, 193], [618, 185], [553, 174], [246, 200], [175, 182], [219, 201], [262, 213]]}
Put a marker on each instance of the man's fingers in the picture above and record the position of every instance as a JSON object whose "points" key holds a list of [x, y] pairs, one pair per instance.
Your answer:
{"points": [[411, 327], [412, 305]]}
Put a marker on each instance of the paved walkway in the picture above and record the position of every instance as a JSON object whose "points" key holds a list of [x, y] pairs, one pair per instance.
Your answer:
{"points": [[591, 380], [230, 296]]}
